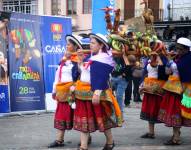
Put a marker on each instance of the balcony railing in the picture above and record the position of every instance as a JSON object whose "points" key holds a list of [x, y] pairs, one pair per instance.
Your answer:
{"points": [[181, 14], [175, 14], [22, 6]]}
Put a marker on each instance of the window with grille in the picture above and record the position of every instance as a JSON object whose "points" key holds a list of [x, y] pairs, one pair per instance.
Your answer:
{"points": [[71, 7], [22, 6], [87, 6], [56, 7]]}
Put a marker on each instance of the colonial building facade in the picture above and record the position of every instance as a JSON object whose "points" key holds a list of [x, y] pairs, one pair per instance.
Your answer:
{"points": [[79, 10]]}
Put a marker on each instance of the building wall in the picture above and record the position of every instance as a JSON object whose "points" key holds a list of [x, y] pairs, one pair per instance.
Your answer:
{"points": [[154, 5], [63, 7], [181, 8], [82, 21], [161, 10], [119, 4], [1, 5], [166, 12], [47, 7], [138, 8], [133, 8], [161, 4], [129, 9], [40, 6]]}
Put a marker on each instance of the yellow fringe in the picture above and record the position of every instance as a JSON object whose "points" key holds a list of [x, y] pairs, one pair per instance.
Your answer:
{"points": [[63, 90], [173, 85], [185, 114]]}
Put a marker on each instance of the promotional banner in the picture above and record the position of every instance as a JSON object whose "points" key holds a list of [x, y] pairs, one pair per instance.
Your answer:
{"points": [[98, 15], [4, 98], [25, 63], [53, 31]]}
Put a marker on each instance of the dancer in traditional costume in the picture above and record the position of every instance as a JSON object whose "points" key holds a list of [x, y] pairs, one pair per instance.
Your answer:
{"points": [[65, 77], [173, 112], [152, 88], [96, 107]]}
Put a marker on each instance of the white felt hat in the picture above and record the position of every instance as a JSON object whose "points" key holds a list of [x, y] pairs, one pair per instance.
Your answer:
{"points": [[184, 41], [101, 38]]}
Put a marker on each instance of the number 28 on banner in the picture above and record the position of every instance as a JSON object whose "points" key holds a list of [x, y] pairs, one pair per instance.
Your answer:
{"points": [[26, 90]]}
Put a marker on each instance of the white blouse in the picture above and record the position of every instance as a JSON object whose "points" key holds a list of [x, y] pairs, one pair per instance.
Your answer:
{"points": [[152, 71], [174, 69], [66, 74], [85, 73]]}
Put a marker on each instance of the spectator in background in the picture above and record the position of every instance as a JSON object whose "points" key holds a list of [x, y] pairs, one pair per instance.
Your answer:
{"points": [[119, 79], [133, 78], [3, 69]]}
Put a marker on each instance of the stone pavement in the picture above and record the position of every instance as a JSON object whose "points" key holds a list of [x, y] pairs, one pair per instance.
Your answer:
{"points": [[35, 132]]}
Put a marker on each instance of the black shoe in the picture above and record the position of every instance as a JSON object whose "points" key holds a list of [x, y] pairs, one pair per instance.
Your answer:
{"points": [[148, 136], [128, 105], [172, 142], [56, 144], [109, 146]]}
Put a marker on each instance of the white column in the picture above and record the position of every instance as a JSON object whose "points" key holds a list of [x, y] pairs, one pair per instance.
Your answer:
{"points": [[47, 7], [120, 5], [40, 4], [79, 6], [63, 7], [138, 8]]}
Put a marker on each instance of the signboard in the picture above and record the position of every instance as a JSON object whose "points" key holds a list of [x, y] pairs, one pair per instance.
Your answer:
{"points": [[4, 98], [53, 31], [26, 69]]}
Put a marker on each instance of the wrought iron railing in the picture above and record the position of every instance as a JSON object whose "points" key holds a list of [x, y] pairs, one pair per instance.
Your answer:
{"points": [[23, 6], [175, 14], [181, 14]]}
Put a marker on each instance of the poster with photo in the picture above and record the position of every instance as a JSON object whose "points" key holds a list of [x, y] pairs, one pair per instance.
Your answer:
{"points": [[25, 63], [4, 97]]}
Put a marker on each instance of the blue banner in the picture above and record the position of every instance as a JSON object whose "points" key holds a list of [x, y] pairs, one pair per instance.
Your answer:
{"points": [[25, 60], [98, 16], [4, 99], [53, 31]]}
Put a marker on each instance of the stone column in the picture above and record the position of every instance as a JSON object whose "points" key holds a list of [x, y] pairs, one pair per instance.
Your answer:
{"points": [[40, 6], [47, 7], [63, 7]]}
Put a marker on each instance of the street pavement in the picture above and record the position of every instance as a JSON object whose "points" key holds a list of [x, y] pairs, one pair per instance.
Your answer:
{"points": [[35, 132]]}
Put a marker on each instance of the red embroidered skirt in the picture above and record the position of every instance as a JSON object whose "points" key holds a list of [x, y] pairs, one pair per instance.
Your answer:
{"points": [[170, 111], [63, 119], [150, 107], [89, 117]]}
